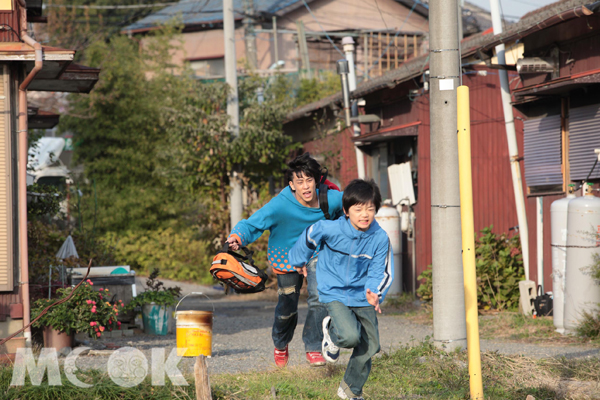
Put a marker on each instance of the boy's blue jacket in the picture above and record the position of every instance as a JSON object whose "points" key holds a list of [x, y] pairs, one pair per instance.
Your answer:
{"points": [[286, 218], [350, 261]]}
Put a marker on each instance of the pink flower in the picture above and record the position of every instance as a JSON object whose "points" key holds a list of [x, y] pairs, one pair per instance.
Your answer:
{"points": [[93, 309], [101, 289], [119, 323], [93, 302], [92, 323], [98, 334], [101, 297], [102, 329], [91, 283], [88, 301], [117, 313]]}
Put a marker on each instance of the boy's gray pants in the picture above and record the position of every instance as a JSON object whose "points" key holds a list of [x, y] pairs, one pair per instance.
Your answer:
{"points": [[354, 328]]}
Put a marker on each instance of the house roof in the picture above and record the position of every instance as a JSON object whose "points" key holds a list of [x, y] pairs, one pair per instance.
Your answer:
{"points": [[207, 12], [532, 22]]}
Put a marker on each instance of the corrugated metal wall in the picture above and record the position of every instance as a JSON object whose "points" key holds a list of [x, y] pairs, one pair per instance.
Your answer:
{"points": [[11, 19]]}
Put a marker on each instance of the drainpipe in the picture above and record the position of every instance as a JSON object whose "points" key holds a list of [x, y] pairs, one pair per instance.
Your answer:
{"points": [[513, 150], [22, 169], [348, 45]]}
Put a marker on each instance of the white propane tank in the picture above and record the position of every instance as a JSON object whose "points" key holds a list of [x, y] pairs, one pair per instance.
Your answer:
{"points": [[582, 293], [388, 218], [558, 224]]}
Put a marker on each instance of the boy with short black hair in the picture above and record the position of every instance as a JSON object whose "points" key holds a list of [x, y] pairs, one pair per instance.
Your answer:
{"points": [[354, 273]]}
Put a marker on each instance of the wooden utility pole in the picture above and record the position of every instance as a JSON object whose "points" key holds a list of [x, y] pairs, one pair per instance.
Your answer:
{"points": [[275, 41]]}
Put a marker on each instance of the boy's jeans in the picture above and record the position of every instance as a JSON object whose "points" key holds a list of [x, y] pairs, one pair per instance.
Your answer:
{"points": [[286, 312], [355, 328]]}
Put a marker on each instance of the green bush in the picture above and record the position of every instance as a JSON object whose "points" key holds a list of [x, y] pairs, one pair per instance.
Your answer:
{"points": [[499, 269], [179, 255]]}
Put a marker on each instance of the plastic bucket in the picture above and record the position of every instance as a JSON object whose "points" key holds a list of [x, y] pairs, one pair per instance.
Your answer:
{"points": [[156, 319], [193, 332]]}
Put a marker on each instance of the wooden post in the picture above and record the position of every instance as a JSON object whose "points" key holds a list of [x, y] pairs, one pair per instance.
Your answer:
{"points": [[396, 52], [405, 48], [371, 51], [379, 58], [387, 40], [415, 45], [202, 382], [365, 57]]}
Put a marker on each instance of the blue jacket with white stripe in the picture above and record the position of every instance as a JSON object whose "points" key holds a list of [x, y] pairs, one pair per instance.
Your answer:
{"points": [[350, 261]]}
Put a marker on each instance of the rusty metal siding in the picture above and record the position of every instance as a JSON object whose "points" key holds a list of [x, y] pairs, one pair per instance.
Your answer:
{"points": [[543, 151], [10, 19], [584, 137]]}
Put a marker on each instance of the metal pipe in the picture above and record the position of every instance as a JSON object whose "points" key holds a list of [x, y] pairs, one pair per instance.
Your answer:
{"points": [[22, 169], [342, 70], [348, 45], [539, 202], [511, 136], [468, 241]]}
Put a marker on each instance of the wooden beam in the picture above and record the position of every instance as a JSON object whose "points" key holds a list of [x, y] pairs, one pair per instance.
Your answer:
{"points": [[387, 40], [379, 58], [415, 45], [396, 52]]}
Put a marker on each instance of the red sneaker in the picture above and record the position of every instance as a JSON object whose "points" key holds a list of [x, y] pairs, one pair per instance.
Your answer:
{"points": [[281, 357], [315, 359]]}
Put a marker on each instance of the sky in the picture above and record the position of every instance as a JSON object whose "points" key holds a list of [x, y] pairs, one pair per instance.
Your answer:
{"points": [[514, 9]]}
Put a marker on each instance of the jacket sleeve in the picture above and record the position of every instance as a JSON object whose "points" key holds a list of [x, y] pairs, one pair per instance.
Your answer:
{"points": [[381, 270], [306, 244], [249, 230]]}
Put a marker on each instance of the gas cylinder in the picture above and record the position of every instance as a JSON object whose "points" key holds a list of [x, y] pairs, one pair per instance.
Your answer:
{"points": [[558, 225], [388, 218], [582, 293]]}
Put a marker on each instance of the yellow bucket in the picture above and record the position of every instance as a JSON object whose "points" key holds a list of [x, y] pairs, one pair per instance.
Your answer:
{"points": [[194, 332]]}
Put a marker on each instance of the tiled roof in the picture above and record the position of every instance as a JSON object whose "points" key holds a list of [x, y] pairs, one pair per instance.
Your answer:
{"points": [[198, 12]]}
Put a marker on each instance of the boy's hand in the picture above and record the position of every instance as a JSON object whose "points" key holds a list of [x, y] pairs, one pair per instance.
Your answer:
{"points": [[301, 270], [373, 300], [233, 243]]}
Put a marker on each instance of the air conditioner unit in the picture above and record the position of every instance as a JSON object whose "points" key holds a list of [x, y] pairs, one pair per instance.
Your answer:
{"points": [[536, 65]]}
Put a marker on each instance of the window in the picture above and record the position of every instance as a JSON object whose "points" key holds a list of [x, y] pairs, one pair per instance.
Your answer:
{"points": [[208, 67], [584, 137], [543, 154]]}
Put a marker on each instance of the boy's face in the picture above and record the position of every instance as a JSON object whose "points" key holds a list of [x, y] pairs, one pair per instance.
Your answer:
{"points": [[361, 216], [305, 189]]}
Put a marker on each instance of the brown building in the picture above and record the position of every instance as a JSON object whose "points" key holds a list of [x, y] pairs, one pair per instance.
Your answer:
{"points": [[25, 65], [557, 122]]}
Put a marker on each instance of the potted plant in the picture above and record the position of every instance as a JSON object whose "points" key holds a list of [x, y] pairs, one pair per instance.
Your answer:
{"points": [[87, 311], [157, 305]]}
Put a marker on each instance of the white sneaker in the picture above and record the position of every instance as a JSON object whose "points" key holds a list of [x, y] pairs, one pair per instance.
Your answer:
{"points": [[342, 394], [330, 351]]}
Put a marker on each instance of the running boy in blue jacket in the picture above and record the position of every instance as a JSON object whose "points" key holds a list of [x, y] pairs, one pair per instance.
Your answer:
{"points": [[354, 273]]}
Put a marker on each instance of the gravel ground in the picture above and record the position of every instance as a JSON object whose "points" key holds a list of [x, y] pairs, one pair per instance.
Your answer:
{"points": [[242, 337]]}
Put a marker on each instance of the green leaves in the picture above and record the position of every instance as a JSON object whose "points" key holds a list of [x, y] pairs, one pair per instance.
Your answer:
{"points": [[499, 269]]}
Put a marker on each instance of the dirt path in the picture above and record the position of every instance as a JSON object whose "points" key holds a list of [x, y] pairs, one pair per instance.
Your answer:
{"points": [[242, 337]]}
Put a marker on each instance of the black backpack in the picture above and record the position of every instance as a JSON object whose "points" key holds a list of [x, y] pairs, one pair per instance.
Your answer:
{"points": [[323, 188]]}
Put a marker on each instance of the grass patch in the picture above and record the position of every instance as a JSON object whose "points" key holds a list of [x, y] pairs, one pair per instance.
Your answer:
{"points": [[418, 372], [516, 327]]}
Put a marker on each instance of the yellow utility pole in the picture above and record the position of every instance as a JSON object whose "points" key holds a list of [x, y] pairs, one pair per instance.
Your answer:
{"points": [[468, 240]]}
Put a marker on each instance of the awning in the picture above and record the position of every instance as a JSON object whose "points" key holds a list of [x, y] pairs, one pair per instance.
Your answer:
{"points": [[411, 129], [40, 119], [559, 86], [74, 79]]}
